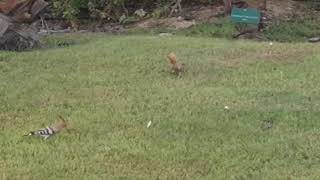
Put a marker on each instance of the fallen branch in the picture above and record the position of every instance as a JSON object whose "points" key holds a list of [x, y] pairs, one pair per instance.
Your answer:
{"points": [[55, 31], [314, 39], [177, 5]]}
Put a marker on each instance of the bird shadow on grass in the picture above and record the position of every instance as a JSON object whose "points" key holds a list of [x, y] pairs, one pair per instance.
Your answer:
{"points": [[57, 43], [65, 40]]}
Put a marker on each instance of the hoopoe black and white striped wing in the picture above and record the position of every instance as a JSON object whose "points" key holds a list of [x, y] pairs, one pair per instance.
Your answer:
{"points": [[45, 132]]}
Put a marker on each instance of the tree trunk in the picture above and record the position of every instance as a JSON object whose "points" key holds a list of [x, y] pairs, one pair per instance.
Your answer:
{"points": [[227, 6], [176, 6], [264, 6]]}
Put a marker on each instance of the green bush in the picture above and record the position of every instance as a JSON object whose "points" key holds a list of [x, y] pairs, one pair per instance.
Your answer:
{"points": [[114, 9], [222, 28], [68, 8], [293, 30]]}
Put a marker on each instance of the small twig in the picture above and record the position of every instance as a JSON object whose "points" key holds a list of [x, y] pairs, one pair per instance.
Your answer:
{"points": [[177, 5], [44, 24], [58, 31], [125, 9]]}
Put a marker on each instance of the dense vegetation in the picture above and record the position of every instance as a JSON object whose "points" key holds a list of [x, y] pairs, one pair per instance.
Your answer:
{"points": [[296, 28], [113, 9]]}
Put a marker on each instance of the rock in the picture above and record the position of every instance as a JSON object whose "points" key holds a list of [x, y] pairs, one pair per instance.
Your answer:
{"points": [[140, 12], [165, 34], [314, 39]]}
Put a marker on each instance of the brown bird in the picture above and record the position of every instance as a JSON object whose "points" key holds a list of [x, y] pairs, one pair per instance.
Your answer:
{"points": [[49, 130], [176, 68]]}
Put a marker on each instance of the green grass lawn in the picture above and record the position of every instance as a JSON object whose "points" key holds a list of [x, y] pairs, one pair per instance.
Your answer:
{"points": [[110, 87]]}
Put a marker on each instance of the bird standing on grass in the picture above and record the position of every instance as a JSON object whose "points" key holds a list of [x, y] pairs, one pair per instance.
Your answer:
{"points": [[176, 67], [49, 130]]}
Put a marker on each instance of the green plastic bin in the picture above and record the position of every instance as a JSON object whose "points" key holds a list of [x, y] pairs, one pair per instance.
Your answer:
{"points": [[246, 16]]}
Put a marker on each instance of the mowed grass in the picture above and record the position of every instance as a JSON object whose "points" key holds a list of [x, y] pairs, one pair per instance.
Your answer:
{"points": [[110, 87]]}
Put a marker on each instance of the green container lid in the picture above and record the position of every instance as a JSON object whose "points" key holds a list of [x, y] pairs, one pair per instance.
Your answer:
{"points": [[247, 15]]}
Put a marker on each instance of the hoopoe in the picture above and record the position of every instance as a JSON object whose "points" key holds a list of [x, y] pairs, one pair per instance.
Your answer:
{"points": [[176, 67], [49, 130]]}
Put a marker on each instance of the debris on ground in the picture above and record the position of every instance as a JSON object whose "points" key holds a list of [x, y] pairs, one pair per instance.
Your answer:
{"points": [[165, 34], [16, 29], [267, 124], [314, 39]]}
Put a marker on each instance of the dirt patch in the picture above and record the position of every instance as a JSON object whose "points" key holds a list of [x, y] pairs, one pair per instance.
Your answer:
{"points": [[203, 14], [280, 8], [171, 23], [189, 17]]}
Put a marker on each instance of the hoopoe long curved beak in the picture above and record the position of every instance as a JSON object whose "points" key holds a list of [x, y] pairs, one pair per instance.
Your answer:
{"points": [[29, 134]]}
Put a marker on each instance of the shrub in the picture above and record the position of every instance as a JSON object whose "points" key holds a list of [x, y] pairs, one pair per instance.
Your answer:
{"points": [[113, 9]]}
